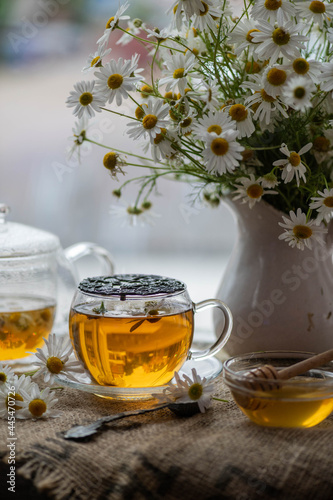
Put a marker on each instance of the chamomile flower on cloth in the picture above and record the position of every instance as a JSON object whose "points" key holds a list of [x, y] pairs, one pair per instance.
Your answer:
{"points": [[17, 389], [115, 80], [323, 204], [215, 122], [189, 390], [298, 93], [85, 99], [299, 233], [327, 77], [241, 118], [95, 60], [6, 373], [241, 36], [315, 11], [113, 23], [39, 404], [54, 360], [222, 152], [303, 67], [209, 16], [274, 42], [263, 103], [152, 122], [274, 80], [269, 10], [178, 69], [292, 165], [250, 190]]}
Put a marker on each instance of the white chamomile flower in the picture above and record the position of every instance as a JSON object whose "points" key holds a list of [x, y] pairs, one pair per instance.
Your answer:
{"points": [[315, 11], [188, 7], [39, 404], [133, 28], [241, 119], [215, 122], [298, 93], [327, 77], [210, 94], [95, 60], [196, 390], [292, 165], [85, 99], [13, 393], [222, 153], [250, 190], [54, 360], [6, 373], [79, 134], [208, 17], [274, 80], [186, 124], [241, 36], [158, 34], [269, 9], [113, 23], [323, 204], [300, 233], [178, 69], [194, 42], [133, 216], [265, 105], [163, 146], [274, 42], [113, 163], [115, 80], [269, 181], [152, 122], [303, 67]]}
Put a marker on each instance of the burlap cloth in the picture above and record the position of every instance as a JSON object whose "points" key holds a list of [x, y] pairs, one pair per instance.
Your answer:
{"points": [[216, 455]]}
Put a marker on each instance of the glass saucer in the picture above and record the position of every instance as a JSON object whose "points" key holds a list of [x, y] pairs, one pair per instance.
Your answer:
{"points": [[209, 368]]}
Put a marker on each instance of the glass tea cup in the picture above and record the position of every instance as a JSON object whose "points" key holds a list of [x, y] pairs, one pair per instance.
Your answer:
{"points": [[136, 330]]}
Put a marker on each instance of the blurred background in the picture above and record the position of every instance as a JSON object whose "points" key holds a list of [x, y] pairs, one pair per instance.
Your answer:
{"points": [[44, 45]]}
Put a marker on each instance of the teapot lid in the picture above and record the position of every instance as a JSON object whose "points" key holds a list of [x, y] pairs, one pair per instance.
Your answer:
{"points": [[19, 240]]}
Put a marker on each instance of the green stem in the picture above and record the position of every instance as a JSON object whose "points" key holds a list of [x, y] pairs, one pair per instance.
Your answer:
{"points": [[120, 114], [121, 151]]}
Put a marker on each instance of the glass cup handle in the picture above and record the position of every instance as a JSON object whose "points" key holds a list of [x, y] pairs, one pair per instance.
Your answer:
{"points": [[78, 250], [226, 331]]}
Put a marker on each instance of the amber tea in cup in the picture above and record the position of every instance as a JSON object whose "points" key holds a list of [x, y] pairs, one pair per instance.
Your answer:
{"points": [[136, 330]]}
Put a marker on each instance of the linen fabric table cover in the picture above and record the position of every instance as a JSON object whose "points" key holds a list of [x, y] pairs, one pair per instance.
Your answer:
{"points": [[216, 455]]}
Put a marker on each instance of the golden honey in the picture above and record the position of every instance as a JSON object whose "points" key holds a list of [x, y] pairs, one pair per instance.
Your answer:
{"points": [[293, 405], [24, 321], [131, 351]]}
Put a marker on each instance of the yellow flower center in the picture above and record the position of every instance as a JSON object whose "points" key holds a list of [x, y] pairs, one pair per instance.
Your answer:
{"points": [[294, 159], [171, 96], [178, 73], [186, 123], [149, 121], [146, 90], [18, 397], [110, 160], [134, 211], [160, 137], [273, 4], [266, 97], [254, 191], [328, 202], [175, 8], [96, 62], [3, 377], [206, 9], [37, 407], [276, 76], [195, 391], [139, 112], [317, 7], [86, 98], [302, 232], [108, 24], [249, 36], [280, 37], [301, 66], [252, 67], [219, 146], [115, 81], [214, 128], [299, 92], [238, 112], [54, 364], [321, 144]]}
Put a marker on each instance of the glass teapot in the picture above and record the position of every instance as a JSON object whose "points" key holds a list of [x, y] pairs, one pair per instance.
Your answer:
{"points": [[37, 282]]}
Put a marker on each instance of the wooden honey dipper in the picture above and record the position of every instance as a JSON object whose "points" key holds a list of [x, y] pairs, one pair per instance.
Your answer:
{"points": [[259, 378]]}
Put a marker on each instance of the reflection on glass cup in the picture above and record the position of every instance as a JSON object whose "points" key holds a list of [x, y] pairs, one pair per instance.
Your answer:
{"points": [[135, 330]]}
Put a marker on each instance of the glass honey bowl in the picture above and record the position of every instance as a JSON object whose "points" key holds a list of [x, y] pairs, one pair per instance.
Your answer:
{"points": [[303, 401]]}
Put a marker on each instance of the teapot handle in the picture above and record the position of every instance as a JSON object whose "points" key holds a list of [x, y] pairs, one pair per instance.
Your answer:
{"points": [[79, 250]]}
